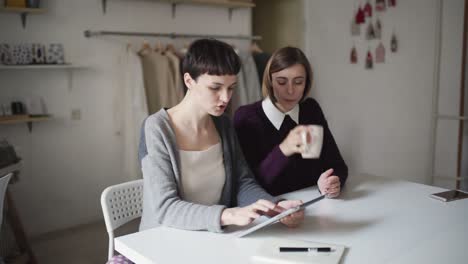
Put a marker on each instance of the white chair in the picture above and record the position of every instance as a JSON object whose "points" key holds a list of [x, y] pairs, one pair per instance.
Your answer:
{"points": [[3, 187], [121, 204]]}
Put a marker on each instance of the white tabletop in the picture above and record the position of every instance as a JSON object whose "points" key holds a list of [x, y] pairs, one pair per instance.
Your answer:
{"points": [[379, 220]]}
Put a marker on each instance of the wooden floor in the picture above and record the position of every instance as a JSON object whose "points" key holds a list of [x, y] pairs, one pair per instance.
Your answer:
{"points": [[85, 244]]}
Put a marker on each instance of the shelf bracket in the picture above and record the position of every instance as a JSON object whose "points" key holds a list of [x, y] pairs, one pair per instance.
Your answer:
{"points": [[70, 80], [104, 6], [29, 126], [23, 19], [174, 10], [230, 10]]}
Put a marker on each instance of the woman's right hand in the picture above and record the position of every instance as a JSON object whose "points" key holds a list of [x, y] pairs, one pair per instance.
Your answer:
{"points": [[293, 144], [242, 216]]}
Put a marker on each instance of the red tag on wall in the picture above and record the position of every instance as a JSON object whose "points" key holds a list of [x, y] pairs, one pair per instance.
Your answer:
{"points": [[380, 5], [355, 28], [360, 17], [394, 43], [380, 53], [370, 32], [368, 9], [369, 61], [353, 56], [378, 29]]}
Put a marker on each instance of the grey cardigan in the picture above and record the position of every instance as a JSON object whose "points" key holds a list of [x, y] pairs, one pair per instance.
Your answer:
{"points": [[162, 202]]}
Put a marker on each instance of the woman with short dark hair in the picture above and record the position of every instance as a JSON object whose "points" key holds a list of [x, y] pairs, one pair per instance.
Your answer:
{"points": [[195, 175], [270, 131]]}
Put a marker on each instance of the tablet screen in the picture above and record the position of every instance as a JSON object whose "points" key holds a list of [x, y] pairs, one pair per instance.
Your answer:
{"points": [[278, 217]]}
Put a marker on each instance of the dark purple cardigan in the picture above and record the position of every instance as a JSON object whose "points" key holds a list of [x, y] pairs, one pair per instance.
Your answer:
{"points": [[277, 173]]}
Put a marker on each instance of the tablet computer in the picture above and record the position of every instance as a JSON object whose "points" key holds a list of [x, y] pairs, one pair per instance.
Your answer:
{"points": [[278, 217], [448, 196]]}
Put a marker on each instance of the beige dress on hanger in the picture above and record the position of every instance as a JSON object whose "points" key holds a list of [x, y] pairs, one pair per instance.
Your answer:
{"points": [[160, 86]]}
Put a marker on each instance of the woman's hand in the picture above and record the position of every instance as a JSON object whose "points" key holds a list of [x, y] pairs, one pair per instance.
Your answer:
{"points": [[242, 216], [294, 219], [293, 144], [329, 184]]}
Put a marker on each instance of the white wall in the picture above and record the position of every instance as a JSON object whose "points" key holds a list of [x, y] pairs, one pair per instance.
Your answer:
{"points": [[68, 163], [381, 117]]}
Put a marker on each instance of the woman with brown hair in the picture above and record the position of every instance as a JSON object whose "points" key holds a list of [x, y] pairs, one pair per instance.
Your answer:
{"points": [[270, 131]]}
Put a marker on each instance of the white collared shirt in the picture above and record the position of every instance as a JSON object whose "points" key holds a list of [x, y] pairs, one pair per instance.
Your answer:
{"points": [[275, 116]]}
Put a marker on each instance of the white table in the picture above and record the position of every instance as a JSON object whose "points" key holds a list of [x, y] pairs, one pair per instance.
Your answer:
{"points": [[379, 220]]}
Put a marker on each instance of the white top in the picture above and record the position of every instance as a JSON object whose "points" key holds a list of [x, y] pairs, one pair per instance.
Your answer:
{"points": [[379, 220], [203, 175], [275, 116]]}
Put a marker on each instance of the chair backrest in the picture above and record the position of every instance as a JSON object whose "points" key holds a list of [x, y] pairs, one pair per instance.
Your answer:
{"points": [[121, 204], [4, 179]]}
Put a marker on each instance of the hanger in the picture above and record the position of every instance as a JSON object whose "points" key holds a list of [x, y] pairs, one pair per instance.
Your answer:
{"points": [[236, 50], [145, 47], [185, 48], [159, 47], [254, 48], [170, 48]]}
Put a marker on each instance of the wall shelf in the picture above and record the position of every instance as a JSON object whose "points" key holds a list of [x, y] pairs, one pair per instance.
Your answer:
{"points": [[453, 117], [41, 67], [226, 3], [231, 4], [22, 11], [8, 120]]}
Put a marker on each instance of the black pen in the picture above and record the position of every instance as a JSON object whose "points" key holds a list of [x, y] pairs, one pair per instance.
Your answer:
{"points": [[305, 249]]}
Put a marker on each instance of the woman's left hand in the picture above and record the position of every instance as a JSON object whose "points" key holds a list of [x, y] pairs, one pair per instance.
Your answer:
{"points": [[329, 184], [294, 219]]}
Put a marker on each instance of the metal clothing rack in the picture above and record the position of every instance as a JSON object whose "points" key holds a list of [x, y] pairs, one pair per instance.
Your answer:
{"points": [[91, 33]]}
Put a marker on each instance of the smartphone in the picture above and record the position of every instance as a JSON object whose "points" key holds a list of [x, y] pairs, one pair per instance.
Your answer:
{"points": [[448, 196]]}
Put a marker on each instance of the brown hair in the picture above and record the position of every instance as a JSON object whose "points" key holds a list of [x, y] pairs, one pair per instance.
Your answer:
{"points": [[280, 60]]}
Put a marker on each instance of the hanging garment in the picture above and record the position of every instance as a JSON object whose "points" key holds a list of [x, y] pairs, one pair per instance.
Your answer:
{"points": [[248, 87], [159, 82], [131, 109], [174, 63], [380, 53], [261, 60]]}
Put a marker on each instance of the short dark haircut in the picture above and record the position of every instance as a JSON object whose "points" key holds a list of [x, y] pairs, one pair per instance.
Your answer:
{"points": [[280, 60], [212, 57]]}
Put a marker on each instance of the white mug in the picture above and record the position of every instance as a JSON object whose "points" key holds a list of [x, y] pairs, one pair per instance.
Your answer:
{"points": [[312, 139]]}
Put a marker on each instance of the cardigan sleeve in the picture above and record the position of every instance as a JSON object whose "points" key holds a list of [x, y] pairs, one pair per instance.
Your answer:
{"points": [[162, 202]]}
